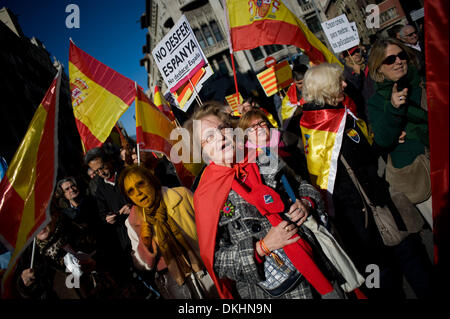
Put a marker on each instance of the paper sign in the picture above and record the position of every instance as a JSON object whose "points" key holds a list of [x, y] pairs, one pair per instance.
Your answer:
{"points": [[340, 33], [178, 55]]}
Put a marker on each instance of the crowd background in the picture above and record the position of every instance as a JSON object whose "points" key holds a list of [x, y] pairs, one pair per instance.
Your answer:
{"points": [[125, 252]]}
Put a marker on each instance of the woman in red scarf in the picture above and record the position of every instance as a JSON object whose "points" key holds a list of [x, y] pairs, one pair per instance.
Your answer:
{"points": [[247, 248]]}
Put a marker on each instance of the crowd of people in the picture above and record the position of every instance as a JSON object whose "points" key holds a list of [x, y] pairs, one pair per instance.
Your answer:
{"points": [[257, 226]]}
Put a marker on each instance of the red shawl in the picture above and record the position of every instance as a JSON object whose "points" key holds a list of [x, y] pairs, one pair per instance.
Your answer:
{"points": [[209, 198]]}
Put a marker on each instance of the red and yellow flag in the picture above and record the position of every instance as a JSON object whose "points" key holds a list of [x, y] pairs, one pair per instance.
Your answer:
{"points": [[162, 104], [100, 96], [27, 186], [253, 23], [153, 131], [184, 93], [233, 103], [275, 78]]}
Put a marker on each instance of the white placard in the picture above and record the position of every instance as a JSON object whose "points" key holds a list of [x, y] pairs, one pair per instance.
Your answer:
{"points": [[417, 14], [178, 55], [340, 33]]}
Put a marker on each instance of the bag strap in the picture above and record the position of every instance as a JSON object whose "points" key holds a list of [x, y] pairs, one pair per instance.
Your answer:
{"points": [[363, 194]]}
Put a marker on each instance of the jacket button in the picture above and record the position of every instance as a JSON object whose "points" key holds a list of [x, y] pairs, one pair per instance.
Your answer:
{"points": [[256, 227]]}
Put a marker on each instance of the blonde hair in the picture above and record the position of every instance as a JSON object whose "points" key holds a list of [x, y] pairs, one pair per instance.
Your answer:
{"points": [[378, 54], [322, 84]]}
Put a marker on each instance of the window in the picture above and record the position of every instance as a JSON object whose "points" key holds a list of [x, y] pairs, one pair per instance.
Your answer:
{"points": [[272, 48], [207, 34], [216, 31], [200, 39], [257, 54], [313, 24]]}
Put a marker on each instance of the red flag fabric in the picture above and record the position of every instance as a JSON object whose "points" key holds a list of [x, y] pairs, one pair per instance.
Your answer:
{"points": [[27, 187], [437, 78]]}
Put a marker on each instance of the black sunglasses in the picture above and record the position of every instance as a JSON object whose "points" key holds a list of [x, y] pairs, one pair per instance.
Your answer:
{"points": [[408, 35], [392, 58]]}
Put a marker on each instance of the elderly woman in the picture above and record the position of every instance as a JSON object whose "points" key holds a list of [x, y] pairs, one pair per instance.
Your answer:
{"points": [[243, 240], [397, 109], [339, 152], [262, 135], [162, 231]]}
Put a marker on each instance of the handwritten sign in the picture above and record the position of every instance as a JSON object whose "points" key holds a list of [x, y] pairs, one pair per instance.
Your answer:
{"points": [[340, 33]]}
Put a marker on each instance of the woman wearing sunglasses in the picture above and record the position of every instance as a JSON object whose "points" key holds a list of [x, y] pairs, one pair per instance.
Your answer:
{"points": [[399, 120]]}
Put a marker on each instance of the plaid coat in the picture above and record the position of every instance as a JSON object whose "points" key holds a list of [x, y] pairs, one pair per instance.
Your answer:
{"points": [[237, 235]]}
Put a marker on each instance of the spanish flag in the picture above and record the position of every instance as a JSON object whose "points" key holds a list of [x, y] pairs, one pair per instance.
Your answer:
{"points": [[184, 93], [153, 130], [100, 96], [27, 187], [289, 105], [253, 23], [322, 133], [162, 104]]}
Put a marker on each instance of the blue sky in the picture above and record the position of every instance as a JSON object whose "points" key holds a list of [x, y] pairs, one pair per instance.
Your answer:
{"points": [[110, 31]]}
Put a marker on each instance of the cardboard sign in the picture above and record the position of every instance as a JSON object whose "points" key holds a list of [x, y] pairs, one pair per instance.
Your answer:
{"points": [[340, 33], [178, 55], [275, 78]]}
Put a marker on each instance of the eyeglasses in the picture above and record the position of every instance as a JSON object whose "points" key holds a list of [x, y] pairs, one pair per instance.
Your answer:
{"points": [[411, 34], [261, 124], [392, 58], [212, 137], [101, 168]]}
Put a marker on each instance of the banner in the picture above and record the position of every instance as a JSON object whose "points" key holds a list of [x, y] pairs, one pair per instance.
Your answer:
{"points": [[275, 78], [27, 187], [100, 96], [178, 55]]}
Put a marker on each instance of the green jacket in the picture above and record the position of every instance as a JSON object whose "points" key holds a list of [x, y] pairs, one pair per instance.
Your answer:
{"points": [[388, 122]]}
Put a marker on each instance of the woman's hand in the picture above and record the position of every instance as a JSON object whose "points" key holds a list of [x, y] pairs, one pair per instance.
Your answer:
{"points": [[401, 138], [398, 98], [280, 236], [298, 212], [28, 277]]}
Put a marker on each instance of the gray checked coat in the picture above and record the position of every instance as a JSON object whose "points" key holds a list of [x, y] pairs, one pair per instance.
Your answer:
{"points": [[238, 234]]}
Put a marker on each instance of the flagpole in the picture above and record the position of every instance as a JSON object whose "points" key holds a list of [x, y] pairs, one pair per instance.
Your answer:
{"points": [[32, 253], [197, 97], [235, 79], [135, 107]]}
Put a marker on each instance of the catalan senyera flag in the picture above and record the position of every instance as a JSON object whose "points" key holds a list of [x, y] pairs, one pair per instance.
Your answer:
{"points": [[253, 23], [275, 78], [233, 102], [153, 131], [27, 187], [162, 104], [100, 96]]}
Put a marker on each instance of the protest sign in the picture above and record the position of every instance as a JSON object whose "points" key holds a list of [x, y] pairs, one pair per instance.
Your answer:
{"points": [[178, 55], [340, 33]]}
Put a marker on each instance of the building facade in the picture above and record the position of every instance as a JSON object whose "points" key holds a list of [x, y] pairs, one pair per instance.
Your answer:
{"points": [[207, 20]]}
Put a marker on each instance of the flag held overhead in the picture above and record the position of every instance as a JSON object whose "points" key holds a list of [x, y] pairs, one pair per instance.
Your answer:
{"points": [[100, 96]]}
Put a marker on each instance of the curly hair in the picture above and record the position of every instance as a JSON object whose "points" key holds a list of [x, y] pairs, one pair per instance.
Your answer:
{"points": [[322, 84]]}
